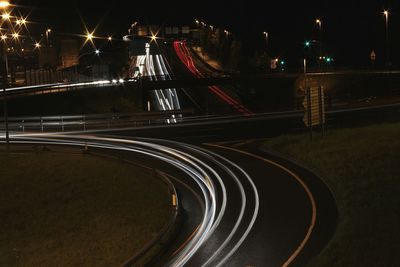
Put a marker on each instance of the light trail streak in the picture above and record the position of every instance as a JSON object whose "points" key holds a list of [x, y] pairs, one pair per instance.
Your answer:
{"points": [[154, 67], [188, 159], [186, 58]]}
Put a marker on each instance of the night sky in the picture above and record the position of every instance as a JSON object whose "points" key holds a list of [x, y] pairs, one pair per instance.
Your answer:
{"points": [[351, 29]]}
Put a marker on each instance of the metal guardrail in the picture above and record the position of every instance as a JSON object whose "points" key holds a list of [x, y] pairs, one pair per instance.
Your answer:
{"points": [[93, 122]]}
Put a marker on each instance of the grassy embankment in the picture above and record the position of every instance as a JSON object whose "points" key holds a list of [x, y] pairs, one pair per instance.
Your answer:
{"points": [[362, 168], [76, 210]]}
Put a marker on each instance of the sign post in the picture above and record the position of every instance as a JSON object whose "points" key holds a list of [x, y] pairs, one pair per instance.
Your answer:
{"points": [[314, 105], [372, 56]]}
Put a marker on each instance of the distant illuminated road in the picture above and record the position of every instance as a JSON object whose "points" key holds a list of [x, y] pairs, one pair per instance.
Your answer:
{"points": [[186, 58], [59, 87], [154, 67], [253, 210]]}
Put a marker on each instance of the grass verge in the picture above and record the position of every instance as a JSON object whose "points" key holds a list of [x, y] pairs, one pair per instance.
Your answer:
{"points": [[76, 210], [362, 168]]}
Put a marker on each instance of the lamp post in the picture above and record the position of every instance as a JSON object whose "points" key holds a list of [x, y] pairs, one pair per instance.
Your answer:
{"points": [[266, 34], [266, 51], [4, 5], [319, 24], [48, 32], [386, 14]]}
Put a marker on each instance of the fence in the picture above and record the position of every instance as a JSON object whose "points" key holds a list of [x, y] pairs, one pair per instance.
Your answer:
{"points": [[47, 76]]}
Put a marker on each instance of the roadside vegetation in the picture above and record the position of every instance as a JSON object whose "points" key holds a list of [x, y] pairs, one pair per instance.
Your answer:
{"points": [[76, 210]]}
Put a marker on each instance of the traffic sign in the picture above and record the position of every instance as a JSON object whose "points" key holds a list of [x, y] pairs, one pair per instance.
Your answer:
{"points": [[373, 55], [314, 105]]}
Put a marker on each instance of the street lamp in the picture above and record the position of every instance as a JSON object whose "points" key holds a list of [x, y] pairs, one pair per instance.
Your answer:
{"points": [[386, 14], [6, 16], [48, 32], [4, 5], [20, 22], [266, 40], [89, 37], [266, 50], [319, 23]]}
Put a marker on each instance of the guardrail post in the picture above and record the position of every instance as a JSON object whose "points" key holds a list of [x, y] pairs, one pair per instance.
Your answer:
{"points": [[41, 124], [62, 124], [84, 124], [23, 126], [26, 77]]}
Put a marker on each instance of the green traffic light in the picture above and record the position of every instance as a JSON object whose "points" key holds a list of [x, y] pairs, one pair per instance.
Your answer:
{"points": [[307, 43]]}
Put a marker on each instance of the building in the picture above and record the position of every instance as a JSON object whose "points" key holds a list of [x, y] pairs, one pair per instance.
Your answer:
{"points": [[69, 53]]}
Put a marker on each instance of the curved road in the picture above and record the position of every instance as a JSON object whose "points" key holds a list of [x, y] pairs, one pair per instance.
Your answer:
{"points": [[244, 208]]}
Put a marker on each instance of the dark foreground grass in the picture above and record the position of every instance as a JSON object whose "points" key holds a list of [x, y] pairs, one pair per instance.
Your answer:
{"points": [[76, 210], [362, 168]]}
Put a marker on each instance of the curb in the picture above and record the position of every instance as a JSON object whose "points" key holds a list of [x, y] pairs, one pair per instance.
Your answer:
{"points": [[165, 235], [299, 164]]}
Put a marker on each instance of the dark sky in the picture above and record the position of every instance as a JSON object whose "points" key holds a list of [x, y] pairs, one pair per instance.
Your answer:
{"points": [[351, 29]]}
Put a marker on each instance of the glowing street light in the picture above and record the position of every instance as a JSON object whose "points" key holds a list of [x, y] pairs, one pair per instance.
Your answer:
{"points": [[37, 45], [3, 37], [6, 16], [15, 35], [4, 4], [97, 52], [153, 37], [20, 22], [109, 38], [89, 37]]}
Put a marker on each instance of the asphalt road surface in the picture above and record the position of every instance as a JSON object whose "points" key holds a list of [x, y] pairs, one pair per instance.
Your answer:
{"points": [[240, 206]]}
